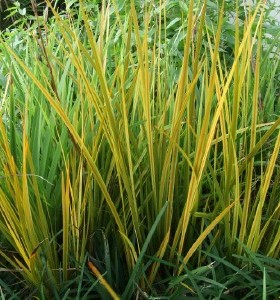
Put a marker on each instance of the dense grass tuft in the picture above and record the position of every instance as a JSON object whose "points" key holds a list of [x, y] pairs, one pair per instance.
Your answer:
{"points": [[130, 171]]}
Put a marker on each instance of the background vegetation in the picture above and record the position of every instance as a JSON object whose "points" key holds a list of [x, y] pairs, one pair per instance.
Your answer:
{"points": [[140, 151]]}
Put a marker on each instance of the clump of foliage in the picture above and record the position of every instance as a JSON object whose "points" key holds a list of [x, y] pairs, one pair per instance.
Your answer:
{"points": [[137, 163], [15, 13]]}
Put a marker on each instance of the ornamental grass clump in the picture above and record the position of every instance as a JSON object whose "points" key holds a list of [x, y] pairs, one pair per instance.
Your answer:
{"points": [[123, 161]]}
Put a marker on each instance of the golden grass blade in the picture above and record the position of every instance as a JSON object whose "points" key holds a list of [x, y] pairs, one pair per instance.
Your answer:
{"points": [[144, 77], [159, 255], [103, 281], [255, 236], [66, 224], [250, 167], [204, 234]]}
